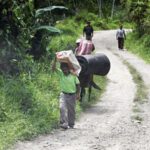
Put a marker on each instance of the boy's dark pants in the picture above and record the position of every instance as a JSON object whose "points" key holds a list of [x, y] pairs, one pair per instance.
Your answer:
{"points": [[67, 109]]}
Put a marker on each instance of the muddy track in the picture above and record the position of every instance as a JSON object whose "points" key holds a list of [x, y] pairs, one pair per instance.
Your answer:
{"points": [[111, 124]]}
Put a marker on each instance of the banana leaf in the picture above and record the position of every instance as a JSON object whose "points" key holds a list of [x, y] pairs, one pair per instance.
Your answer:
{"points": [[46, 9], [48, 29]]}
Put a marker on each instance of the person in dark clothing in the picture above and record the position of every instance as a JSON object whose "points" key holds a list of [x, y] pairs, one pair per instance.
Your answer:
{"points": [[88, 31]]}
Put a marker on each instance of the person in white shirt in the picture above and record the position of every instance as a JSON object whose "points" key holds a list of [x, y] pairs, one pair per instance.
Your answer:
{"points": [[121, 36]]}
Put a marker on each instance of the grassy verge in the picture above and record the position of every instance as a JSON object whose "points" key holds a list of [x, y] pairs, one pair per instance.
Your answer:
{"points": [[138, 46], [28, 107], [141, 93]]}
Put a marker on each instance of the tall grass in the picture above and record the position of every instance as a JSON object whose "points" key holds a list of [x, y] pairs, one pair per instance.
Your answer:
{"points": [[28, 107], [66, 41], [139, 46]]}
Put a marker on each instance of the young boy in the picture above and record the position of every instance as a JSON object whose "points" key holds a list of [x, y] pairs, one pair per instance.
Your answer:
{"points": [[70, 91]]}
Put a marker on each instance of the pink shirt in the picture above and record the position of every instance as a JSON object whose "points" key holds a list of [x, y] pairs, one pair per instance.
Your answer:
{"points": [[85, 47]]}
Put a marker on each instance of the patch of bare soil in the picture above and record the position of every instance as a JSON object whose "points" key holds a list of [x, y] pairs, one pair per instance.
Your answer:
{"points": [[111, 124]]}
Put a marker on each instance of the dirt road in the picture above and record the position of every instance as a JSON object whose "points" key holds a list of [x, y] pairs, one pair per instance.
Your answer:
{"points": [[111, 124]]}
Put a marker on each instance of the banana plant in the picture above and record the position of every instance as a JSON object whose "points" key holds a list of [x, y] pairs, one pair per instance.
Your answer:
{"points": [[48, 9], [42, 29], [48, 29]]}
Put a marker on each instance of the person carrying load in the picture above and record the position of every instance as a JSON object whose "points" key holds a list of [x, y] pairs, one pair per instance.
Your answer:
{"points": [[70, 91]]}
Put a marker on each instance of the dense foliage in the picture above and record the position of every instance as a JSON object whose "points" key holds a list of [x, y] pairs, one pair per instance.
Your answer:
{"points": [[139, 40], [139, 13]]}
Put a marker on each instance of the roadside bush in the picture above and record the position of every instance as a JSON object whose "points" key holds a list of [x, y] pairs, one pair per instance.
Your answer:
{"points": [[28, 105], [80, 17], [139, 46], [66, 40], [146, 40], [100, 24]]}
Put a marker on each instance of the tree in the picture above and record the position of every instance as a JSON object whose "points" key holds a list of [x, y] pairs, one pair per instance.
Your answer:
{"points": [[100, 7], [138, 13], [112, 10]]}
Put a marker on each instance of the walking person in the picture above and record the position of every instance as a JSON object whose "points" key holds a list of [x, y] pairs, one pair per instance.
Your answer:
{"points": [[70, 91], [120, 36], [88, 30]]}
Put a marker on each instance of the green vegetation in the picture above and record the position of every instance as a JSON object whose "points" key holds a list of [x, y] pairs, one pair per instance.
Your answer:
{"points": [[139, 46], [29, 106], [139, 41], [141, 93]]}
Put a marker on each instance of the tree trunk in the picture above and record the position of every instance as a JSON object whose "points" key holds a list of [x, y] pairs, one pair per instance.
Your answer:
{"points": [[100, 7], [112, 10]]}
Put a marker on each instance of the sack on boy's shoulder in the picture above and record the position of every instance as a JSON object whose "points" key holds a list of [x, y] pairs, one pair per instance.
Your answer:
{"points": [[67, 56]]}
